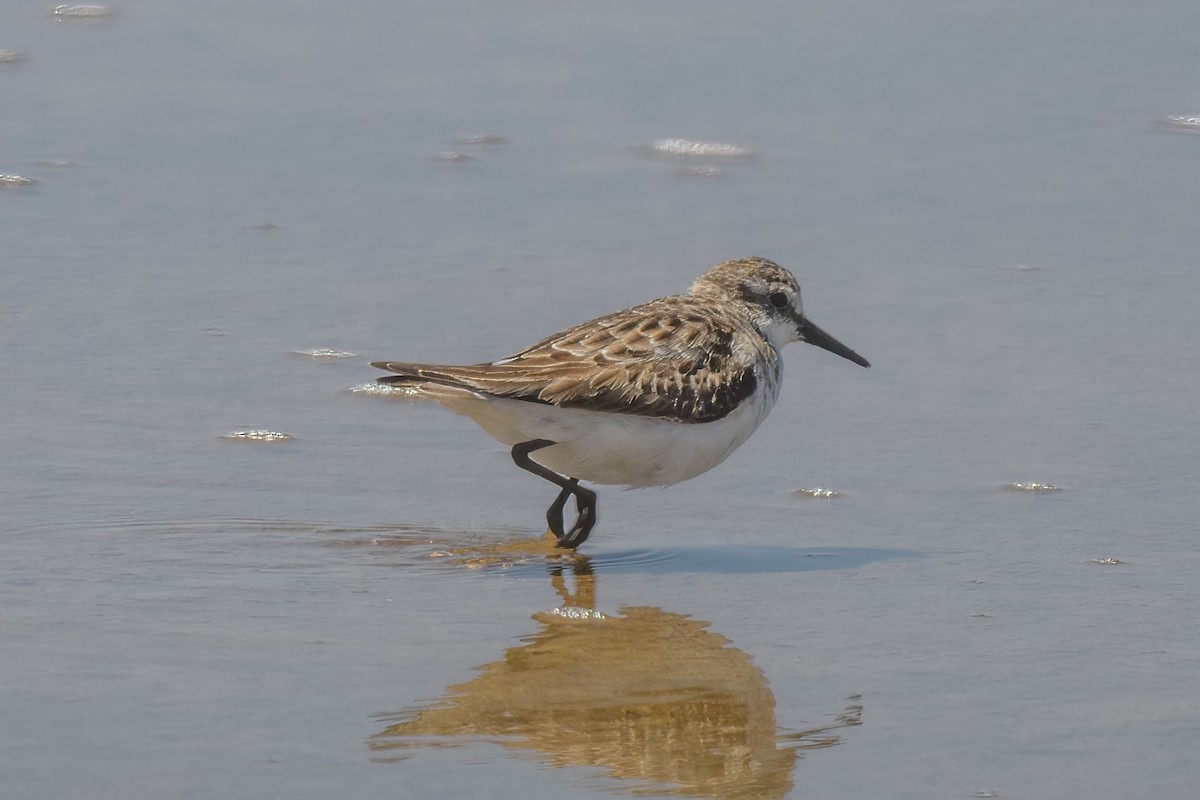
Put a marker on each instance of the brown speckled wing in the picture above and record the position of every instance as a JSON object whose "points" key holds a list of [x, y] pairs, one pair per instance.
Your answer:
{"points": [[663, 359]]}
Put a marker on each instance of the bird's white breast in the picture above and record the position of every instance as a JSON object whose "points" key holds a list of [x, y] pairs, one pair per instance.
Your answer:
{"points": [[621, 449]]}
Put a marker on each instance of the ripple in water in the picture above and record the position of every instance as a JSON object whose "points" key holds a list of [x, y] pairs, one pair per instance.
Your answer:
{"points": [[451, 157], [509, 552], [702, 171], [744, 559], [477, 139]]}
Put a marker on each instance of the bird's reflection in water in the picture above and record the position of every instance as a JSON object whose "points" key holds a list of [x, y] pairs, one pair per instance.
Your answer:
{"points": [[650, 697]]}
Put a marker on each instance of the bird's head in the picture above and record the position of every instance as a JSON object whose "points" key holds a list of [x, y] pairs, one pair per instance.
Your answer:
{"points": [[771, 295]]}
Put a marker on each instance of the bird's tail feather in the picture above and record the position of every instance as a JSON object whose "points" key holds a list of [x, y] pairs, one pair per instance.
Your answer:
{"points": [[430, 380]]}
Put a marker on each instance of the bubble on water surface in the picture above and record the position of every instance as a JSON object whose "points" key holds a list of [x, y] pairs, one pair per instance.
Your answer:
{"points": [[1033, 487], [817, 491], [83, 11], [256, 435], [1182, 123], [686, 148], [386, 390], [571, 612], [325, 354]]}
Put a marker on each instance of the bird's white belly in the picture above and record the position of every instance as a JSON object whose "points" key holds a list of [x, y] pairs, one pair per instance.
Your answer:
{"points": [[611, 448]]}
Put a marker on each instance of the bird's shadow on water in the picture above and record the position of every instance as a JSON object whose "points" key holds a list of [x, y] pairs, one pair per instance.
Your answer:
{"points": [[738, 559], [508, 552]]}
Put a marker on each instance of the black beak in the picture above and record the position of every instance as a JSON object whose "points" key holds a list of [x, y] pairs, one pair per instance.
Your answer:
{"points": [[810, 333]]}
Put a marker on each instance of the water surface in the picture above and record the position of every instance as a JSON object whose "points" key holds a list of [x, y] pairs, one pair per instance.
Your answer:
{"points": [[982, 199]]}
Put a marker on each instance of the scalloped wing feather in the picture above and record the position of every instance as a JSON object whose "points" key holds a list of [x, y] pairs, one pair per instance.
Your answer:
{"points": [[664, 359]]}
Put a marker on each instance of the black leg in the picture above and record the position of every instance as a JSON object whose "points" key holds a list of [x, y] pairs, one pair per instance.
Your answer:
{"points": [[554, 514], [585, 505], [585, 499]]}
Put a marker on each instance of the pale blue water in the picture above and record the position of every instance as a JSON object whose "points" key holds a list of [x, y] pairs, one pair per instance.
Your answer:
{"points": [[980, 198]]}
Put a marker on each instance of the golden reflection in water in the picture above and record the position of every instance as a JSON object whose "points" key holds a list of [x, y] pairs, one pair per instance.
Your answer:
{"points": [[651, 697]]}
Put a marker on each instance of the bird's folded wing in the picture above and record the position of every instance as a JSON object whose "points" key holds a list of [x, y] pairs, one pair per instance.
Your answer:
{"points": [[661, 365]]}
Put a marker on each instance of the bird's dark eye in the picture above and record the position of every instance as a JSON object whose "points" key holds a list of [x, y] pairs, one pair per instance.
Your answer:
{"points": [[778, 299]]}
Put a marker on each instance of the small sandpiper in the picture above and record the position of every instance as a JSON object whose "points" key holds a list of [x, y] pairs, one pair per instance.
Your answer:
{"points": [[649, 396]]}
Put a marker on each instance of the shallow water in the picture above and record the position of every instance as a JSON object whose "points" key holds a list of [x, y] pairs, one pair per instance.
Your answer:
{"points": [[988, 201]]}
